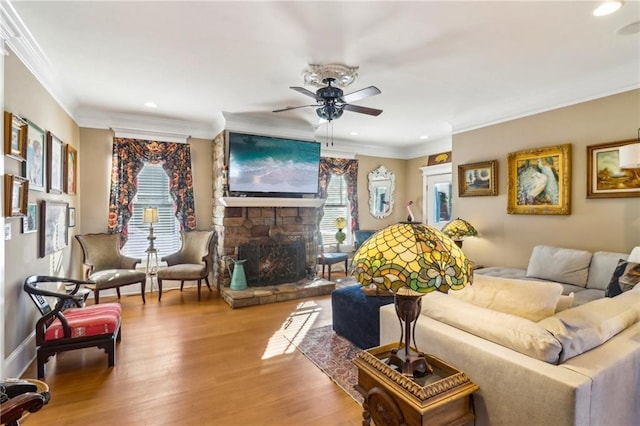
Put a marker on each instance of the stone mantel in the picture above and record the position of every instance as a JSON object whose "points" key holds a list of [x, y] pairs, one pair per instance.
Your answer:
{"points": [[270, 202]]}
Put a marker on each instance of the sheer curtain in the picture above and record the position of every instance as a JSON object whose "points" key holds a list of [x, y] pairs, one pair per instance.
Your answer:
{"points": [[341, 166], [128, 158]]}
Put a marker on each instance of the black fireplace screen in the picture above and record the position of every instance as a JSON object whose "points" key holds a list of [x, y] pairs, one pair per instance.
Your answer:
{"points": [[271, 264]]}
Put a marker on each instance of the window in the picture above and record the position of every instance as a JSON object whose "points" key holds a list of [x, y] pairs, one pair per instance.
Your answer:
{"points": [[337, 205], [153, 191]]}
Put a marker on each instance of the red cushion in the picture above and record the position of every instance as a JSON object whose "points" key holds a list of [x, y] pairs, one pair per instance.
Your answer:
{"points": [[89, 321]]}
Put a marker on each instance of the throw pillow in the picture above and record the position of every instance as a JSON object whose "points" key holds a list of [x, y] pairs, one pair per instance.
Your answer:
{"points": [[624, 278], [563, 265], [533, 300]]}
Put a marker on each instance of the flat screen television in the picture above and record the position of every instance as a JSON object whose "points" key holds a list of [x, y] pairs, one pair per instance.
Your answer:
{"points": [[271, 166]]}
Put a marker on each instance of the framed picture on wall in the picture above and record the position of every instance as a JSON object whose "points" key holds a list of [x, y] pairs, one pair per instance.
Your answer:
{"points": [[30, 221], [34, 167], [55, 163], [70, 170], [71, 221], [540, 181], [53, 227], [605, 178], [15, 136], [478, 179], [16, 193]]}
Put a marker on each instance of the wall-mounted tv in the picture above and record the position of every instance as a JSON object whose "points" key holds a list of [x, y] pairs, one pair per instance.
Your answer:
{"points": [[272, 166]]}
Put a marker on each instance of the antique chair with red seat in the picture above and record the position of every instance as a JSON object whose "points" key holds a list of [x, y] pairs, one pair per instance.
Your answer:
{"points": [[60, 330]]}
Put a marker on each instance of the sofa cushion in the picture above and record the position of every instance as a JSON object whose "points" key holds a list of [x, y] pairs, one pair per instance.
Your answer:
{"points": [[634, 256], [559, 264], [533, 300], [625, 277], [513, 332], [584, 327], [603, 263]]}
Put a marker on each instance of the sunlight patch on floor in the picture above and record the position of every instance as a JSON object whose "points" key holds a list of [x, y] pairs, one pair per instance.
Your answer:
{"points": [[293, 330]]}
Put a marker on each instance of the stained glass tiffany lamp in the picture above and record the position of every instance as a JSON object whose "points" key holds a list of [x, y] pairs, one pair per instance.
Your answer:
{"points": [[410, 260], [458, 229]]}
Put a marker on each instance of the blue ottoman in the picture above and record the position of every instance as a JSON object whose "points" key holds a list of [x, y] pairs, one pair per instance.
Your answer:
{"points": [[356, 316]]}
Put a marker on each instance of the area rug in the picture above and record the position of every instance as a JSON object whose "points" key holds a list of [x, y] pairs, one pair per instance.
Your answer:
{"points": [[332, 354]]}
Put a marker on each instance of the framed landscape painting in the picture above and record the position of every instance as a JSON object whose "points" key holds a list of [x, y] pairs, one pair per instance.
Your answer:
{"points": [[540, 181], [605, 178], [478, 179]]}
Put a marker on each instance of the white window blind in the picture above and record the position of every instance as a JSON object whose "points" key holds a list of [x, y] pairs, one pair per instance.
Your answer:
{"points": [[337, 205], [153, 191]]}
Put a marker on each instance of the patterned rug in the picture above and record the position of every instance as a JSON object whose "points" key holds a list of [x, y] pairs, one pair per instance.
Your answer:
{"points": [[332, 354]]}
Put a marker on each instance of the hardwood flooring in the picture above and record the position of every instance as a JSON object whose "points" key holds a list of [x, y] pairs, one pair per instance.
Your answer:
{"points": [[184, 362]]}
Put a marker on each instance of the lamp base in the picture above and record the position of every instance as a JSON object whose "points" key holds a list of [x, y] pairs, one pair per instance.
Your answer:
{"points": [[409, 361]]}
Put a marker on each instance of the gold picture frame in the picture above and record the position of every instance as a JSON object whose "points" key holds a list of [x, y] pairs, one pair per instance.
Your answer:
{"points": [[540, 181], [16, 195], [605, 178], [478, 179], [70, 179], [15, 136]]}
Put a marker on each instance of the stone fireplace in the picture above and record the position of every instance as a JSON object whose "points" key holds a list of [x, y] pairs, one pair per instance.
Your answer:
{"points": [[268, 229]]}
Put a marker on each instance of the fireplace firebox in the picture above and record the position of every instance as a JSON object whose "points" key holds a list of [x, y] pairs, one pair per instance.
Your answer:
{"points": [[273, 263]]}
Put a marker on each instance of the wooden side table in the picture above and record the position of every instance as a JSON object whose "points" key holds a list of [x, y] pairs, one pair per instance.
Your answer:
{"points": [[390, 398]]}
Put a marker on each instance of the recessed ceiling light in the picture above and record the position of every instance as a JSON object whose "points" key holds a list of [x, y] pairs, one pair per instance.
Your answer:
{"points": [[423, 137], [607, 8], [354, 133], [151, 104]]}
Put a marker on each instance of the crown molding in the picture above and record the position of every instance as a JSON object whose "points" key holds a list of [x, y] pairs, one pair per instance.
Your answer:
{"points": [[26, 48]]}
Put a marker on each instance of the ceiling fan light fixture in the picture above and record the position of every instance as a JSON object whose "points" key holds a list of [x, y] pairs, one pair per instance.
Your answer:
{"points": [[330, 112], [342, 74]]}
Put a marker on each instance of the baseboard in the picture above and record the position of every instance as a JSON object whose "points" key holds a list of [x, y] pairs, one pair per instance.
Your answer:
{"points": [[19, 360]]}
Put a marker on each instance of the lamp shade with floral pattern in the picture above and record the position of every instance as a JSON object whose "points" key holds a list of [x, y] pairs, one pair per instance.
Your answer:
{"points": [[411, 256]]}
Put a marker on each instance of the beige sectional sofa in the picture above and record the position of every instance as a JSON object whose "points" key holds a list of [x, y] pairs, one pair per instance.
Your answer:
{"points": [[536, 362], [582, 272]]}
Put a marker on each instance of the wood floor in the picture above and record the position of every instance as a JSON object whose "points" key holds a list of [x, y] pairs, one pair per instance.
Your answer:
{"points": [[184, 362]]}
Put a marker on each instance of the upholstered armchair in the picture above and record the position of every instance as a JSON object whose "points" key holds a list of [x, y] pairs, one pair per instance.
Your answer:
{"points": [[190, 263], [106, 266]]}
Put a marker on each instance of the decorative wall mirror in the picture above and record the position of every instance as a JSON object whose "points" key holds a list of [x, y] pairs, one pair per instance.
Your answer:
{"points": [[382, 183]]}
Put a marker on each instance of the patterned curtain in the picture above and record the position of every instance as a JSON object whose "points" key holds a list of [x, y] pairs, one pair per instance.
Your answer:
{"points": [[341, 166], [128, 158]]}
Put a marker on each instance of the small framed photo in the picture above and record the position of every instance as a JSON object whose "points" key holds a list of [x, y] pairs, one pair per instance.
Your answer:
{"points": [[34, 167], [71, 220], [478, 179], [16, 193], [15, 136], [540, 181], [70, 170], [30, 221], [605, 178], [53, 227], [55, 163]]}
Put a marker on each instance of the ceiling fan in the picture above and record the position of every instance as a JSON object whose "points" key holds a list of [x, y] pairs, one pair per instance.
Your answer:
{"points": [[332, 102]]}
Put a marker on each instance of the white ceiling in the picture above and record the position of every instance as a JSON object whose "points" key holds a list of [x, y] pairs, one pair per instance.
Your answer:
{"points": [[442, 66]]}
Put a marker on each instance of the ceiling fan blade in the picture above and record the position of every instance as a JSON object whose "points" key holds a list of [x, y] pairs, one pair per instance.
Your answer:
{"points": [[361, 94], [306, 92], [295, 107], [362, 110]]}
